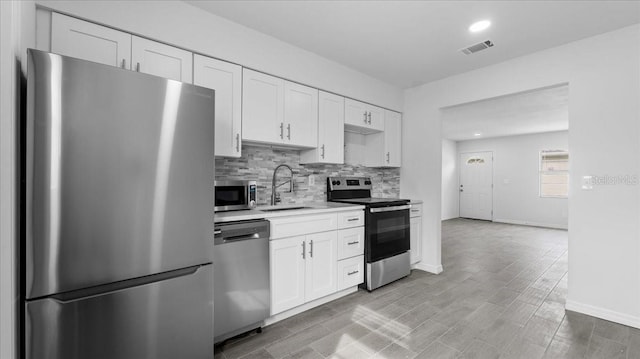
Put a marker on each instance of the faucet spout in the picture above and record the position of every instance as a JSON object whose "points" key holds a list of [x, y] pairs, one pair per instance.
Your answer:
{"points": [[275, 198]]}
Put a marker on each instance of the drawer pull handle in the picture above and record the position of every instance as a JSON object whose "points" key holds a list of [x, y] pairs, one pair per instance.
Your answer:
{"points": [[352, 243], [352, 219], [415, 210], [352, 273]]}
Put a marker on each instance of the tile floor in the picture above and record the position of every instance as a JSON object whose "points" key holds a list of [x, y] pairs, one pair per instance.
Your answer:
{"points": [[501, 296]]}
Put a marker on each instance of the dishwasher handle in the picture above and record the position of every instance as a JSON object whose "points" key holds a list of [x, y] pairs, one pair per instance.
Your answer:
{"points": [[239, 238]]}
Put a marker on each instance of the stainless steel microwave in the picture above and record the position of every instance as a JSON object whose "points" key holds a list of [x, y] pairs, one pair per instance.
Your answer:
{"points": [[235, 195]]}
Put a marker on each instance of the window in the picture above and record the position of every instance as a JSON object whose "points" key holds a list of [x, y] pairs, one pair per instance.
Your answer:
{"points": [[554, 173]]}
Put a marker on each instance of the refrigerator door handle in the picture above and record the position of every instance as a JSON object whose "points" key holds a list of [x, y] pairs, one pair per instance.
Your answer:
{"points": [[80, 294]]}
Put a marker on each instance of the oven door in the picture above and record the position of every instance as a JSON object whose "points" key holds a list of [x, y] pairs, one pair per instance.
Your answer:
{"points": [[387, 231]]}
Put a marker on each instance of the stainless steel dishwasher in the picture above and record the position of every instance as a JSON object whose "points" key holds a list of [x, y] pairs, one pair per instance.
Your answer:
{"points": [[241, 289]]}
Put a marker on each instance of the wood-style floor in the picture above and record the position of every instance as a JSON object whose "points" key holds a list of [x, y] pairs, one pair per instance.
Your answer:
{"points": [[501, 295]]}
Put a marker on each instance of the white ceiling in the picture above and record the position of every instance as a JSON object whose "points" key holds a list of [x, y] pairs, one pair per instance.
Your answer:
{"points": [[543, 110], [408, 43]]}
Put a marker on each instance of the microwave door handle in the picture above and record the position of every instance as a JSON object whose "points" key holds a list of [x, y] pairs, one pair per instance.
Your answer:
{"points": [[389, 209]]}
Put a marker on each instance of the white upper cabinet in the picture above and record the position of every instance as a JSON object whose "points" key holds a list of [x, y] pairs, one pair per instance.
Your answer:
{"points": [[363, 118], [392, 139], [300, 115], [330, 131], [385, 149], [161, 60], [262, 107], [278, 112], [88, 41], [226, 79]]}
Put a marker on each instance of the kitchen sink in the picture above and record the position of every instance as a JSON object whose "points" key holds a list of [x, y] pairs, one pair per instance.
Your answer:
{"points": [[274, 209]]}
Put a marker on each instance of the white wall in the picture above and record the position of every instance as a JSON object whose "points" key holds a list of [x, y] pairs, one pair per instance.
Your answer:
{"points": [[183, 25], [603, 73], [516, 163], [450, 193]]}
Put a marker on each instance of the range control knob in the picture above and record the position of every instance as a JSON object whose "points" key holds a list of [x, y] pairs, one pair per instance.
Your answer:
{"points": [[338, 183], [367, 182], [334, 182]]}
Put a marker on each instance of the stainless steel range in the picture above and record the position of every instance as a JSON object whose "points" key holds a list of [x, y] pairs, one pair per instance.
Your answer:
{"points": [[387, 238]]}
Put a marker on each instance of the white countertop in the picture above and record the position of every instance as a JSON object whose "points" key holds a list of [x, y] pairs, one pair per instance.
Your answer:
{"points": [[309, 208]]}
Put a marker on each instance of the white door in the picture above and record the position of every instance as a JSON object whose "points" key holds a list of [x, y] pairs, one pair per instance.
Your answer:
{"points": [[300, 115], [226, 79], [287, 273], [262, 107], [331, 128], [476, 185], [87, 41], [321, 266], [392, 139], [161, 60]]}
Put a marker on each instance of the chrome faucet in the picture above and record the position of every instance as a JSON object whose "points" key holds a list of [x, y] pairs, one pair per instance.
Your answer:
{"points": [[275, 197]]}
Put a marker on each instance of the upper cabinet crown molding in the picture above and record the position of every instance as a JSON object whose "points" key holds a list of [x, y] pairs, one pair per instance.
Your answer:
{"points": [[226, 79]]}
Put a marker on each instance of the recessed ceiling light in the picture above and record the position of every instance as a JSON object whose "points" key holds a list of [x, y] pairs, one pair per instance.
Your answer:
{"points": [[477, 134], [479, 26]]}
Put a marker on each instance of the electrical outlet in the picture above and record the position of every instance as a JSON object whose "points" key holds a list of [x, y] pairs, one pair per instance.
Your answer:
{"points": [[312, 180]]}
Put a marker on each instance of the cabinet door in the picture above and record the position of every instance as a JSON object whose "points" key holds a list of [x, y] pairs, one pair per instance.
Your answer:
{"points": [[392, 139], [321, 265], [376, 118], [87, 41], [287, 273], [415, 232], [161, 60], [355, 113], [331, 128], [226, 79], [262, 107], [300, 115]]}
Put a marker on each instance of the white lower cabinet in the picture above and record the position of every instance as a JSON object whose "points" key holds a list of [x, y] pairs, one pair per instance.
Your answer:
{"points": [[311, 258], [415, 232], [287, 273], [350, 272], [303, 268], [321, 264]]}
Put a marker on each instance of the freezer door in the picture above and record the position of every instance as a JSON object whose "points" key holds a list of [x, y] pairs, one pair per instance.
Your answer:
{"points": [[169, 319], [119, 174]]}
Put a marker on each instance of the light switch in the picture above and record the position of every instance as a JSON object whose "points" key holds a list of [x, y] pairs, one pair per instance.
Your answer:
{"points": [[312, 180]]}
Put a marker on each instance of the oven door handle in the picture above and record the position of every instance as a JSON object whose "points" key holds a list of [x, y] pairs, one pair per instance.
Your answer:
{"points": [[389, 209]]}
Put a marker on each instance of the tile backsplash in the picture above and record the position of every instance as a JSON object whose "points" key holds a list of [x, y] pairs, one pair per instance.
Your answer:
{"points": [[257, 163]]}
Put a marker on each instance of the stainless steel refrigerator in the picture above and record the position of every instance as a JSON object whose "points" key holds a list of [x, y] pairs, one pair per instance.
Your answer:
{"points": [[119, 213]]}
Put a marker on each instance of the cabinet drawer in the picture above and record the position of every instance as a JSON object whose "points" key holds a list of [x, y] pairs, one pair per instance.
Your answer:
{"points": [[350, 219], [416, 210], [300, 225], [350, 242], [350, 272]]}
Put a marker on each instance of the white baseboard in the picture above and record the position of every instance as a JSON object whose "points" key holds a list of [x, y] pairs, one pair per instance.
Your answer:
{"points": [[534, 224], [297, 310], [603, 313], [435, 269]]}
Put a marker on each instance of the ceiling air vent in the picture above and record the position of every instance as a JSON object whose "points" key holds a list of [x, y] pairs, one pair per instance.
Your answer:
{"points": [[477, 47]]}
